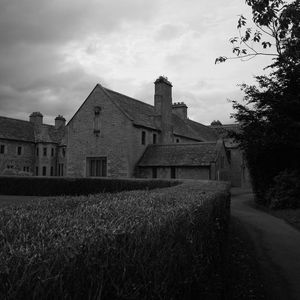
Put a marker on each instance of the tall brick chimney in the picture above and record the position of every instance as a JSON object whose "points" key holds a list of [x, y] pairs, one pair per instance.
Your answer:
{"points": [[36, 118], [180, 109], [60, 121], [163, 107]]}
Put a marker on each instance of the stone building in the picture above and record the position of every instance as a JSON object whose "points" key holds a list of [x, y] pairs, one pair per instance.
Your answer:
{"points": [[239, 173], [117, 136], [31, 147]]}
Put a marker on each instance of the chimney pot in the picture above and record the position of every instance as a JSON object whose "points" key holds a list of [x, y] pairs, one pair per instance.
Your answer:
{"points": [[60, 121], [36, 118]]}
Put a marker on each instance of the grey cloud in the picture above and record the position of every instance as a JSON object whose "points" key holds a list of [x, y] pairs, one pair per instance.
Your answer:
{"points": [[168, 32], [60, 93], [36, 21]]}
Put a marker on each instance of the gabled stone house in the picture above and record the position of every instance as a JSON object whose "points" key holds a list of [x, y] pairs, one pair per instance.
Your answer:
{"points": [[117, 136]]}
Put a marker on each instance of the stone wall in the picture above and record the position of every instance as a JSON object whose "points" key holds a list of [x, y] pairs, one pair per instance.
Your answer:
{"points": [[45, 160], [113, 140], [11, 160]]}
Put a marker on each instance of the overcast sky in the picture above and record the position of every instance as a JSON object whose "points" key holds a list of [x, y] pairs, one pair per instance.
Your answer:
{"points": [[53, 53]]}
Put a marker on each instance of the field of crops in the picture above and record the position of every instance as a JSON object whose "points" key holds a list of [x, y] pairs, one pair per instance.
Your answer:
{"points": [[156, 244]]}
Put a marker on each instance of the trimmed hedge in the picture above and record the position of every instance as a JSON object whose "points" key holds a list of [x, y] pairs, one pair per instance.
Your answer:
{"points": [[159, 244], [55, 186]]}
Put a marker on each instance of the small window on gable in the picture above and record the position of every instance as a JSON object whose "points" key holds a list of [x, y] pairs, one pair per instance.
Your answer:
{"points": [[177, 140], [154, 138], [97, 111], [143, 137], [19, 150], [2, 149]]}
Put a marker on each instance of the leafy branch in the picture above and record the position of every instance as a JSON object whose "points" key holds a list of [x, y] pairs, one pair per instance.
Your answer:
{"points": [[273, 19]]}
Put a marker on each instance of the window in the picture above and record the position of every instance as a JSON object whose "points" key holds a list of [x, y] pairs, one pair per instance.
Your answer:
{"points": [[37, 151], [97, 111], [60, 169], [19, 150], [173, 172], [2, 149], [154, 172], [26, 169], [44, 171], [177, 140], [143, 138], [96, 166], [63, 152], [51, 171], [10, 167], [37, 171], [52, 152], [154, 138], [45, 151]]}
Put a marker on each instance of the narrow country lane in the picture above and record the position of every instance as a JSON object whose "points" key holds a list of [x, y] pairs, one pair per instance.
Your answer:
{"points": [[277, 246]]}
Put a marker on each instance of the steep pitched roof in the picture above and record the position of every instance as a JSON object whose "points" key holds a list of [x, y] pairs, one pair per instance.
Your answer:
{"points": [[143, 114], [14, 129], [196, 154], [25, 131], [139, 112]]}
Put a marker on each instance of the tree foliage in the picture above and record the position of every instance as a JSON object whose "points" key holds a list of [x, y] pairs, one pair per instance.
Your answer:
{"points": [[216, 123], [270, 119], [276, 27]]}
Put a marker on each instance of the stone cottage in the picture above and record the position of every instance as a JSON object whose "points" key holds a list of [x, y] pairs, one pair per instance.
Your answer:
{"points": [[117, 136]]}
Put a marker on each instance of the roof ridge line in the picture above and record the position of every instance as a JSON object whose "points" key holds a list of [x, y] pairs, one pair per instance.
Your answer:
{"points": [[16, 119]]}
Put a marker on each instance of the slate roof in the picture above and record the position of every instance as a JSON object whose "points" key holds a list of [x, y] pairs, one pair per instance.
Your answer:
{"points": [[14, 129], [195, 154], [143, 114], [20, 130]]}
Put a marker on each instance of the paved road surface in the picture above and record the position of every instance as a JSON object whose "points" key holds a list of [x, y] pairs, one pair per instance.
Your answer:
{"points": [[277, 246]]}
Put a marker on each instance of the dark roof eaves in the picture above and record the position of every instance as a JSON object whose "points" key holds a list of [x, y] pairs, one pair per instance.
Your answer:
{"points": [[18, 140], [146, 127]]}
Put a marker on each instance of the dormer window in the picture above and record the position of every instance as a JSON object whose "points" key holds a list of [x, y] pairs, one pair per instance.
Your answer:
{"points": [[97, 110]]}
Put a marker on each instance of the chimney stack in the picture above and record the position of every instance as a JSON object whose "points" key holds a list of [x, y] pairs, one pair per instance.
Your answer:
{"points": [[60, 121], [163, 107], [36, 118], [180, 109]]}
